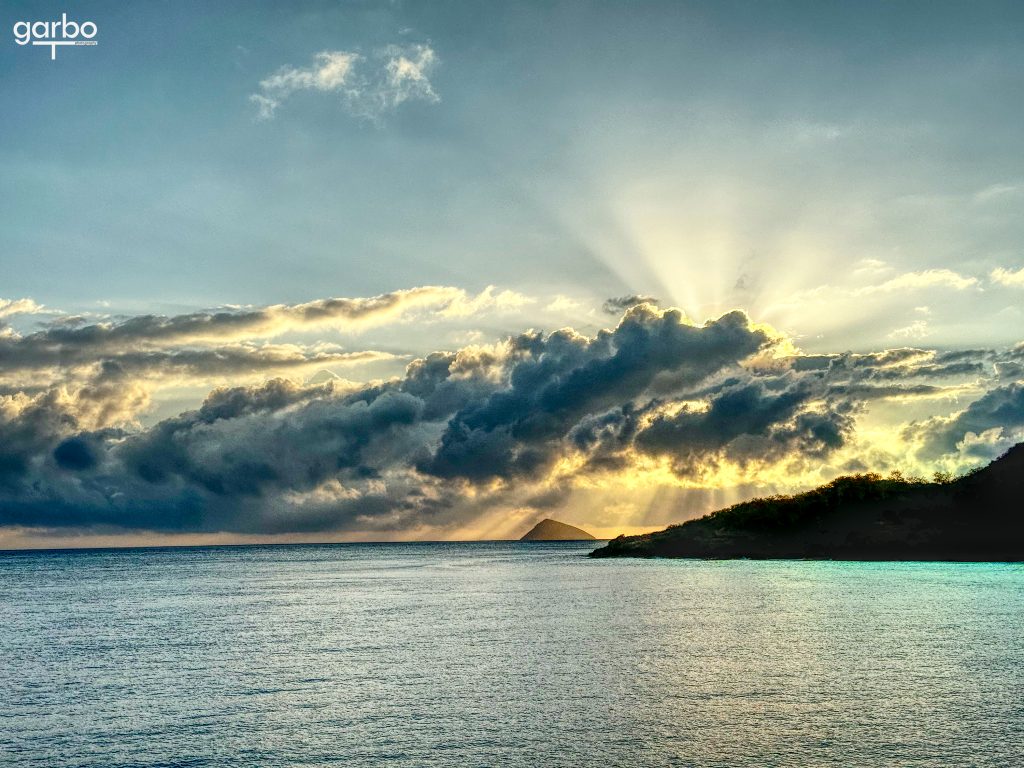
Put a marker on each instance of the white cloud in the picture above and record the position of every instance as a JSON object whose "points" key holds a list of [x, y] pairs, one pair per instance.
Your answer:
{"points": [[330, 72], [368, 86], [406, 70], [1008, 278], [10, 307], [265, 106], [464, 305], [916, 330], [989, 444], [929, 278], [563, 303], [871, 267], [998, 192]]}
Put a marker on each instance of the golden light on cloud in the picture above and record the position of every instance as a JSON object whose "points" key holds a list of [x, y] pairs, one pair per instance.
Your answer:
{"points": [[654, 418]]}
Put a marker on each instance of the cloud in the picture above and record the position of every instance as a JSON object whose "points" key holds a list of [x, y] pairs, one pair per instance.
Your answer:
{"points": [[902, 365], [235, 360], [997, 192], [998, 413], [134, 341], [330, 71], [519, 431], [368, 86], [265, 105], [1008, 277], [911, 281], [905, 283], [748, 421], [490, 431], [465, 306], [871, 267], [869, 309], [616, 305], [406, 75], [264, 458], [563, 303], [916, 330], [10, 307]]}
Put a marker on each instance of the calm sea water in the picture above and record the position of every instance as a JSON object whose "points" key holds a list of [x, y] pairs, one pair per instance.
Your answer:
{"points": [[502, 654]]}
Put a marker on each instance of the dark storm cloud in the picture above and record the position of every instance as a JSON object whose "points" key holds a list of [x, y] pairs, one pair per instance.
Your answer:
{"points": [[208, 469], [738, 420], [1009, 371], [745, 422], [883, 359], [876, 392], [519, 431], [268, 449], [874, 372], [77, 453], [391, 448], [459, 432], [930, 371], [1001, 408], [964, 355], [31, 427]]}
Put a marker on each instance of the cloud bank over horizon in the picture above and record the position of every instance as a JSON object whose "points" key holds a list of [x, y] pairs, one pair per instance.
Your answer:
{"points": [[648, 421]]}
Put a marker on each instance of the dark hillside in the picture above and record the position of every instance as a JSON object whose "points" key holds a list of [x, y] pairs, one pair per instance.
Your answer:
{"points": [[862, 517]]}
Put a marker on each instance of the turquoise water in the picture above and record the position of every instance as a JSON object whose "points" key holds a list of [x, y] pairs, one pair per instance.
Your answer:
{"points": [[503, 654]]}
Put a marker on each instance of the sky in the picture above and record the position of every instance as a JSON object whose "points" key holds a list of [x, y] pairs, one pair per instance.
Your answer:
{"points": [[386, 270]]}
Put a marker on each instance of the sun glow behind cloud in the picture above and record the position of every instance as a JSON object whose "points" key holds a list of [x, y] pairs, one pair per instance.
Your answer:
{"points": [[649, 421], [843, 192]]}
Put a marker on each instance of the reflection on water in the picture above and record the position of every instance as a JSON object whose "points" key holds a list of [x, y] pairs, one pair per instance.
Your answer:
{"points": [[503, 654]]}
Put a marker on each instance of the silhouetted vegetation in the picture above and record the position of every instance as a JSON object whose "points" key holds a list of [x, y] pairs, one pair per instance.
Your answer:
{"points": [[780, 511], [861, 517]]}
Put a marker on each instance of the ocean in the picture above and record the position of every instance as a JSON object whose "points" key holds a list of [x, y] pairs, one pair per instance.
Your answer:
{"points": [[503, 654]]}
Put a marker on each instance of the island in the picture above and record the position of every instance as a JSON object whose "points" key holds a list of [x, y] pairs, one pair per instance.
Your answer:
{"points": [[552, 530], [977, 517]]}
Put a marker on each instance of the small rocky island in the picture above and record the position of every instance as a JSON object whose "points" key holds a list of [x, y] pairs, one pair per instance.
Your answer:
{"points": [[552, 530], [977, 517]]}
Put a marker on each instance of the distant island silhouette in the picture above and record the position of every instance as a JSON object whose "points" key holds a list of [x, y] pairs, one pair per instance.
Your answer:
{"points": [[552, 530], [977, 517]]}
